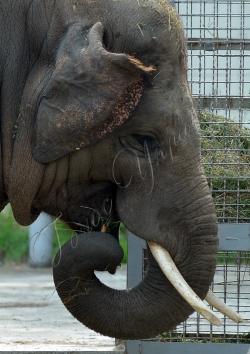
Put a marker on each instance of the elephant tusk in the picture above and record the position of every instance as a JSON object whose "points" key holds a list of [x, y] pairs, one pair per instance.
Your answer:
{"points": [[214, 301], [168, 267]]}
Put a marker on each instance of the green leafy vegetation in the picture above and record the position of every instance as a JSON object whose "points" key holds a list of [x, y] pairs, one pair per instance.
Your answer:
{"points": [[13, 238], [141, 25]]}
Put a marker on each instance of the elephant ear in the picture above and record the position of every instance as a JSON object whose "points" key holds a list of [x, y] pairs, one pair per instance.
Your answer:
{"points": [[91, 93]]}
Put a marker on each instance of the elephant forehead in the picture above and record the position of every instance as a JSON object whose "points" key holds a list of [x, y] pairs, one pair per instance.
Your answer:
{"points": [[143, 25], [162, 106]]}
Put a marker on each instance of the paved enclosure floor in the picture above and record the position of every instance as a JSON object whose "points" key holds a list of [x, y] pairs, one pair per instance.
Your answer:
{"points": [[32, 317]]}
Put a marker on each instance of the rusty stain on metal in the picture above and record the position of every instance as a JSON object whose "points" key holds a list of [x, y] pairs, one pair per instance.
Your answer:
{"points": [[211, 44]]}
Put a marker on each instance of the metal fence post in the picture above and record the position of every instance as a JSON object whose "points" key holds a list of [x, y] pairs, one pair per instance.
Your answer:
{"points": [[40, 241]]}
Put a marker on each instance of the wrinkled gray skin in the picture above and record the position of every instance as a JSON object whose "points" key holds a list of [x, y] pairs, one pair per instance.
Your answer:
{"points": [[97, 123]]}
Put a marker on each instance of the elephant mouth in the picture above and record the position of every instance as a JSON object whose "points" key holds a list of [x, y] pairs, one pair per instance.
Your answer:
{"points": [[100, 216]]}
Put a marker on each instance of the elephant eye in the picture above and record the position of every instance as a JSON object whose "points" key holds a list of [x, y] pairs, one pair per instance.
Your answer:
{"points": [[143, 140], [140, 143]]}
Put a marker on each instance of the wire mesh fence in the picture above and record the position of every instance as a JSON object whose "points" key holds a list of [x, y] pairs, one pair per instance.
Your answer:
{"points": [[232, 285], [218, 36]]}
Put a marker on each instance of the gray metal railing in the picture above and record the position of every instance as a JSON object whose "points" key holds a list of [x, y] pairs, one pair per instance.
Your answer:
{"points": [[231, 284]]}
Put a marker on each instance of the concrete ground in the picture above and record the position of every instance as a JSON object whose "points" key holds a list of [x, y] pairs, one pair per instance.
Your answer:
{"points": [[32, 317]]}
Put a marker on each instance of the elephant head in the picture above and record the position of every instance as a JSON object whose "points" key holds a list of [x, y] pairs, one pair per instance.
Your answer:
{"points": [[111, 135]]}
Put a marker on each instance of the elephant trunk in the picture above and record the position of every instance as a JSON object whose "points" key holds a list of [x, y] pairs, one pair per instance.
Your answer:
{"points": [[150, 308]]}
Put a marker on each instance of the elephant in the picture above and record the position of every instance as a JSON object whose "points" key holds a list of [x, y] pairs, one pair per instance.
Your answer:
{"points": [[98, 125]]}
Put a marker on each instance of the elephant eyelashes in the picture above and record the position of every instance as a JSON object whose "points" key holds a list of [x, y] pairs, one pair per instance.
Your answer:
{"points": [[142, 144], [146, 143], [144, 140]]}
